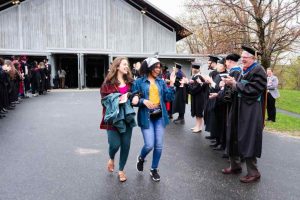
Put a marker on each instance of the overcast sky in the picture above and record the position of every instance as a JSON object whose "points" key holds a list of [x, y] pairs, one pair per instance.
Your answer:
{"points": [[174, 8]]}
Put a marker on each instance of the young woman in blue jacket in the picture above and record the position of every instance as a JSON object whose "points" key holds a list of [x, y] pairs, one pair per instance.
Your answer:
{"points": [[152, 114]]}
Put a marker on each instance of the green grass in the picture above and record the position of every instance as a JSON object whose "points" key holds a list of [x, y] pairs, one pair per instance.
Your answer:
{"points": [[289, 100], [284, 124]]}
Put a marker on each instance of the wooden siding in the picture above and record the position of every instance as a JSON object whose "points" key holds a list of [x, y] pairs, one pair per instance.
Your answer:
{"points": [[84, 24], [124, 27], [158, 38], [9, 29], [111, 25]]}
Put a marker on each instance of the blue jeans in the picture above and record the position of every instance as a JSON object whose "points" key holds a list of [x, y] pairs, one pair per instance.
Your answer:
{"points": [[153, 138]]}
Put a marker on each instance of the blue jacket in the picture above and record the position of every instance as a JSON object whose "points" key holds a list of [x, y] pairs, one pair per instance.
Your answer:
{"points": [[166, 94], [121, 115]]}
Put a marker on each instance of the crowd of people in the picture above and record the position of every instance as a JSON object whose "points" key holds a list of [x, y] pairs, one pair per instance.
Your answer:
{"points": [[229, 103], [18, 78]]}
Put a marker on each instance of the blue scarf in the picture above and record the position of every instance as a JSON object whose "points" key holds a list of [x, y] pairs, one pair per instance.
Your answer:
{"points": [[245, 71], [237, 68]]}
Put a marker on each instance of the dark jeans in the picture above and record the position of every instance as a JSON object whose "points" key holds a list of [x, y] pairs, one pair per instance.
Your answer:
{"points": [[117, 140], [271, 109]]}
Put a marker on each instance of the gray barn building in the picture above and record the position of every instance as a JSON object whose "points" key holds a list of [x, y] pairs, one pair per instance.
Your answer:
{"points": [[83, 36]]}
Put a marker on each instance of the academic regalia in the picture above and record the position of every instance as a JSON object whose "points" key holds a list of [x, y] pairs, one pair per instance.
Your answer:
{"points": [[209, 114], [199, 96], [218, 129], [248, 113], [178, 105], [231, 114]]}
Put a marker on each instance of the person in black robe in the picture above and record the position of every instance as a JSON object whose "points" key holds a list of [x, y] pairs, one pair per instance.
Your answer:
{"points": [[47, 70], [209, 112], [198, 88], [178, 105], [218, 129], [229, 96], [35, 78], [2, 90], [250, 90]]}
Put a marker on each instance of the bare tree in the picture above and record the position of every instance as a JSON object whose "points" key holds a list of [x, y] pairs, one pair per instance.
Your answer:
{"points": [[271, 26]]}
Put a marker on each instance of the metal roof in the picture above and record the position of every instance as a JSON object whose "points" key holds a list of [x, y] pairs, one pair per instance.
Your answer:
{"points": [[147, 9]]}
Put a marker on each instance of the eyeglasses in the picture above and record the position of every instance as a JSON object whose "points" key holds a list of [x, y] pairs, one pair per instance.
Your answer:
{"points": [[245, 57]]}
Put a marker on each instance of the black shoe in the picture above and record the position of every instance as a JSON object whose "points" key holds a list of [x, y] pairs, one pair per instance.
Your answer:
{"points": [[154, 174], [179, 121], [3, 112], [140, 164], [209, 137], [214, 145], [225, 156], [218, 148]]}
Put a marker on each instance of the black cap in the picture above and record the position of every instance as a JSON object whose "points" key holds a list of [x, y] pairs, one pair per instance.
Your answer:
{"points": [[213, 58], [233, 56], [251, 50], [221, 61], [196, 65], [178, 66]]}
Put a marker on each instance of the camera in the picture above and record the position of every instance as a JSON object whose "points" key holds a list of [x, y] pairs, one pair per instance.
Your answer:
{"points": [[228, 92]]}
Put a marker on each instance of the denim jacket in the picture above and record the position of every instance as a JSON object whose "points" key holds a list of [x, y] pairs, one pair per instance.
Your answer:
{"points": [[166, 94]]}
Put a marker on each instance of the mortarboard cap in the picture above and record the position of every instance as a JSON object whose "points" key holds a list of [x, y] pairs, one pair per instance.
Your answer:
{"points": [[213, 58], [251, 50], [196, 65], [178, 66], [233, 56], [221, 60]]}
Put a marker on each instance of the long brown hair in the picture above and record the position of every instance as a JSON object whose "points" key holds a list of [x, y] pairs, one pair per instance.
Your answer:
{"points": [[113, 71]]}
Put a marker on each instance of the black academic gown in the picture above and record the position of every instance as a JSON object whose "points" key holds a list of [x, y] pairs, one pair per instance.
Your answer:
{"points": [[218, 129], [248, 105], [230, 137], [209, 113], [199, 96], [178, 105]]}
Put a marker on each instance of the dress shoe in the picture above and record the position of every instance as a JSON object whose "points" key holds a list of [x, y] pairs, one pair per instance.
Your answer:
{"points": [[209, 137], [250, 179], [3, 112], [232, 171], [196, 131], [214, 145], [218, 148], [225, 156], [179, 121]]}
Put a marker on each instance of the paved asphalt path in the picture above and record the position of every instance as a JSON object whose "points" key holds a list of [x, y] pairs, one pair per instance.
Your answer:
{"points": [[51, 148]]}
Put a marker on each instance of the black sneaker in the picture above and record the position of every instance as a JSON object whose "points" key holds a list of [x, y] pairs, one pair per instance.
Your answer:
{"points": [[154, 174], [140, 164]]}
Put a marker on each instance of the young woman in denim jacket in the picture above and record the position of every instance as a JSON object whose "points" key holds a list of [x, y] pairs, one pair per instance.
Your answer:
{"points": [[152, 114], [118, 80]]}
